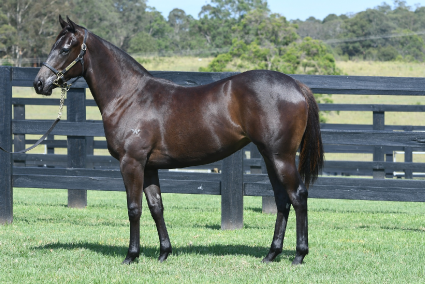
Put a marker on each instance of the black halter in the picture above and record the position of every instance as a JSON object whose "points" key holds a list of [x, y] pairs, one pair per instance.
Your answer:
{"points": [[60, 74]]}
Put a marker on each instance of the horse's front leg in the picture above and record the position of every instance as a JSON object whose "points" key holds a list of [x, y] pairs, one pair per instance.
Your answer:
{"points": [[153, 197], [132, 173]]}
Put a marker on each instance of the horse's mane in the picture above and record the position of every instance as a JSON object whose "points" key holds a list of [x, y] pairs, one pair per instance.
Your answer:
{"points": [[118, 51]]}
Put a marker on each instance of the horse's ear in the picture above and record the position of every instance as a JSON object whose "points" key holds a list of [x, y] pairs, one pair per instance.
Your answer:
{"points": [[62, 22], [71, 25]]}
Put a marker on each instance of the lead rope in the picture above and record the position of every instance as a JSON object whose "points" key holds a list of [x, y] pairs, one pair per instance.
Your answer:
{"points": [[62, 100]]}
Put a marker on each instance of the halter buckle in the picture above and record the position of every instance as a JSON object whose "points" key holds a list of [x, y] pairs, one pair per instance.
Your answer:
{"points": [[59, 76]]}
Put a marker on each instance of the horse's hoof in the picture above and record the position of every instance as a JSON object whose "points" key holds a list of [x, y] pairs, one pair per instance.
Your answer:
{"points": [[298, 260], [270, 257], [128, 260], [163, 256]]}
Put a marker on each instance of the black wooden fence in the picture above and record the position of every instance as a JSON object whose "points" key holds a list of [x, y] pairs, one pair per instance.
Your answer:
{"points": [[81, 170]]}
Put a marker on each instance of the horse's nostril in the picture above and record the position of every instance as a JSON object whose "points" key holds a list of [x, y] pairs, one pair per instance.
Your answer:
{"points": [[40, 85]]}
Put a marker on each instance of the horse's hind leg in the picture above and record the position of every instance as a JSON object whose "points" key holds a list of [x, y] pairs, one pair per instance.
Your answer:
{"points": [[288, 188], [153, 197], [298, 196], [283, 205]]}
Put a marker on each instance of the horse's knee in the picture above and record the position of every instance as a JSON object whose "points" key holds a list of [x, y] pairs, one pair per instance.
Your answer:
{"points": [[134, 212]]}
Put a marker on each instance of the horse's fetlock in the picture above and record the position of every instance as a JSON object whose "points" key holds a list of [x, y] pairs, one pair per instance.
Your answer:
{"points": [[302, 249], [165, 247], [276, 248]]}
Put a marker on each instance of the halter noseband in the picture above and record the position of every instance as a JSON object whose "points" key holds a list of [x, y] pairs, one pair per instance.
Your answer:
{"points": [[60, 74]]}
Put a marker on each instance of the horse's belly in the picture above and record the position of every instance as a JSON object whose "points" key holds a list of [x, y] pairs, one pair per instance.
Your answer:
{"points": [[180, 156]]}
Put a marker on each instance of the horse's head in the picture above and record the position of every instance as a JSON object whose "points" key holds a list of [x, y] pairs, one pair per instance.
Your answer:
{"points": [[67, 48]]}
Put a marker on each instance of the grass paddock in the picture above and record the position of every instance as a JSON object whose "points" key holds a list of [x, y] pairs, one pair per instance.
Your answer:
{"points": [[350, 242]]}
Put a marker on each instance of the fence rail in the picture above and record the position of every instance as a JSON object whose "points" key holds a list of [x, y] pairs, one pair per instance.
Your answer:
{"points": [[240, 175]]}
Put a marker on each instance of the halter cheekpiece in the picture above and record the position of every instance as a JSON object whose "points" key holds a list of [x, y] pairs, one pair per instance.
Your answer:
{"points": [[60, 74]]}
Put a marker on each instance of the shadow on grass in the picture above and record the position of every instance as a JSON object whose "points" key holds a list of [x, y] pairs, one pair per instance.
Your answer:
{"points": [[208, 226], [254, 209], [217, 227], [153, 252]]}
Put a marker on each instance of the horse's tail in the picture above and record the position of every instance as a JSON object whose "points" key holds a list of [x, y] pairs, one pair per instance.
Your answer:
{"points": [[311, 148]]}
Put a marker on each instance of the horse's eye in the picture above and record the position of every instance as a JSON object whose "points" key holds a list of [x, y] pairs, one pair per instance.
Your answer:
{"points": [[65, 50]]}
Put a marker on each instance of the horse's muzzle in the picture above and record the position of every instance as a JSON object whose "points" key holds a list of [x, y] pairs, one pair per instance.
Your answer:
{"points": [[41, 88]]}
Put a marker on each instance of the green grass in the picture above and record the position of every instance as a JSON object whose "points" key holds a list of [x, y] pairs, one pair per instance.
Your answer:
{"points": [[350, 242], [379, 68]]}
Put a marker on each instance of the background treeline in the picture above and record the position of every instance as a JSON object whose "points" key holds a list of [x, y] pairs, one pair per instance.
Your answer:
{"points": [[241, 34]]}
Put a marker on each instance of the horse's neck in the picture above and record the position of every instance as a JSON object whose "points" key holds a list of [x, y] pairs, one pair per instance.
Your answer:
{"points": [[110, 72]]}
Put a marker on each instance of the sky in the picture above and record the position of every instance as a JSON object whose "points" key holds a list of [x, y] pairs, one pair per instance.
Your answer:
{"points": [[298, 9]]}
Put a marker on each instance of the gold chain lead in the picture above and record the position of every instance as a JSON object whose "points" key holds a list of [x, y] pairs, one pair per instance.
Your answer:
{"points": [[63, 95]]}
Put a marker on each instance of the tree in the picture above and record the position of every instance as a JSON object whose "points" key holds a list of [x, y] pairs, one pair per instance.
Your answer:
{"points": [[265, 28], [7, 35], [29, 23], [312, 57], [217, 19], [117, 21], [142, 42], [183, 36], [227, 9], [154, 36], [365, 25], [269, 41], [214, 28], [410, 46]]}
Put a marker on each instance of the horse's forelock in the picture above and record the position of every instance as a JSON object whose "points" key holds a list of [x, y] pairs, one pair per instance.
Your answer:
{"points": [[61, 34]]}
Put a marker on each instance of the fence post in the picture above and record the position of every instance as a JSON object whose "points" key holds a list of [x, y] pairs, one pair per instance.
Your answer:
{"points": [[389, 158], [19, 139], [50, 149], [6, 161], [232, 192], [378, 151], [408, 157], [76, 112]]}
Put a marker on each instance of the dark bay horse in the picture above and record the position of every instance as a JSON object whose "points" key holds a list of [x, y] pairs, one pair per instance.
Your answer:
{"points": [[153, 124]]}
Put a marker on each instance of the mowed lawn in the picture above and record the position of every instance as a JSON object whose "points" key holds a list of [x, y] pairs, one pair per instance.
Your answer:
{"points": [[350, 242]]}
